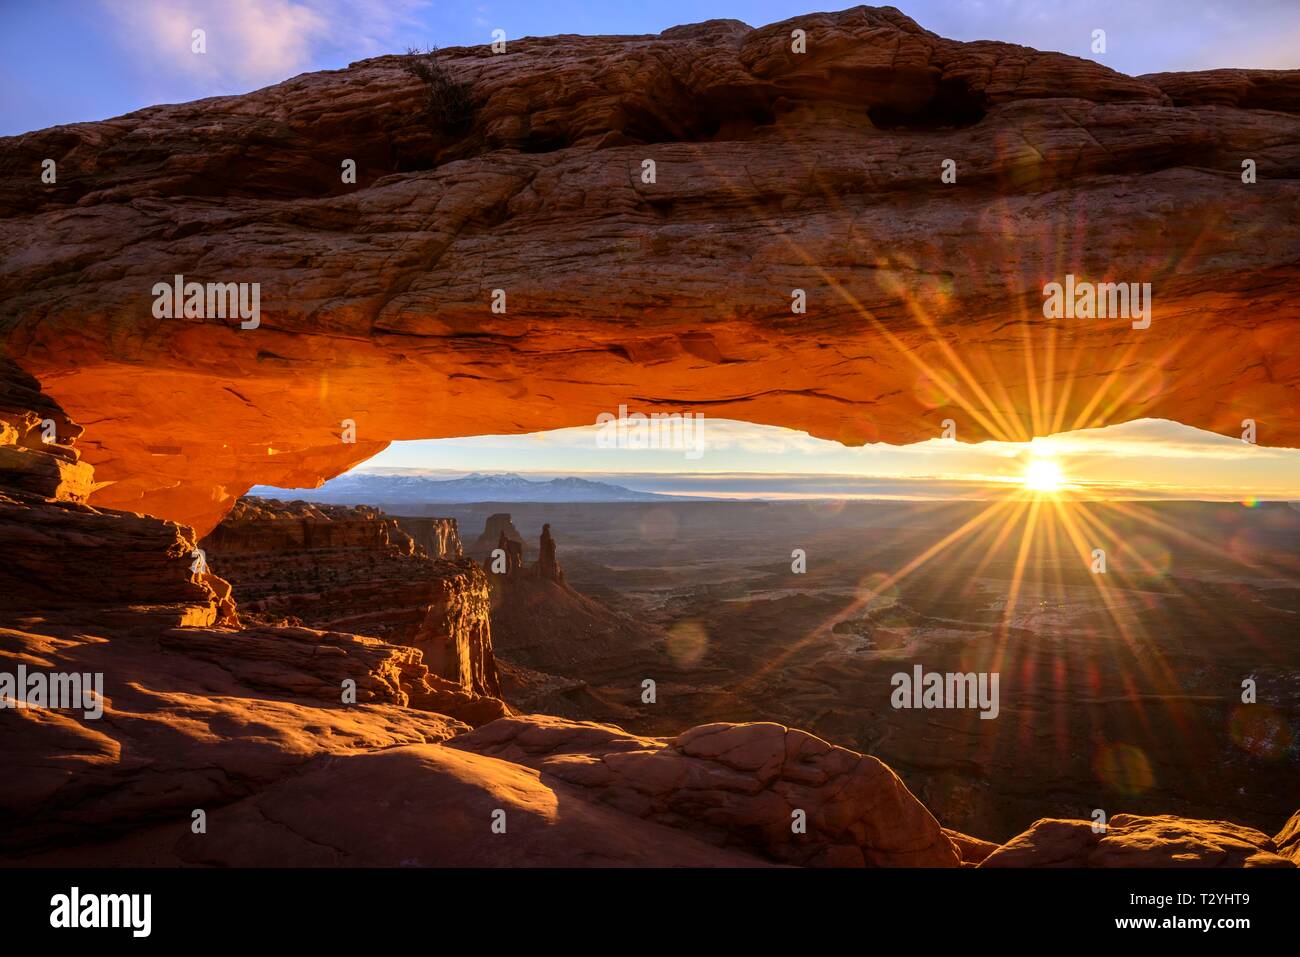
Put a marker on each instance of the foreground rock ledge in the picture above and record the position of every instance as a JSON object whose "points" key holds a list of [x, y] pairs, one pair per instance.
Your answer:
{"points": [[774, 171], [783, 793]]}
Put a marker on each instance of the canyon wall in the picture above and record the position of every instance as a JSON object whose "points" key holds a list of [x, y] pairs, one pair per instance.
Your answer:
{"points": [[437, 536], [354, 569], [773, 171]]}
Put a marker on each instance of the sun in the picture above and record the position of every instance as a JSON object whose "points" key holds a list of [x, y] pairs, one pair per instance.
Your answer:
{"points": [[1043, 475]]}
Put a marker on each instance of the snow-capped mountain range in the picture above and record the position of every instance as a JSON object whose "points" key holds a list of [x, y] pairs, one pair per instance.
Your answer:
{"points": [[414, 487]]}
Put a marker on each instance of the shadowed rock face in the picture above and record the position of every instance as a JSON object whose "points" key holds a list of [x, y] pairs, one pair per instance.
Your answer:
{"points": [[497, 527], [774, 171], [547, 567], [196, 710]]}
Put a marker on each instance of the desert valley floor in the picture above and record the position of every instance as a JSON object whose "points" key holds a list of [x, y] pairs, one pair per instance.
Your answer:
{"points": [[1119, 691]]}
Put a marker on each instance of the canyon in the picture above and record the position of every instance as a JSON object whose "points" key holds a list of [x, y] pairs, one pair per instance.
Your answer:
{"points": [[334, 685]]}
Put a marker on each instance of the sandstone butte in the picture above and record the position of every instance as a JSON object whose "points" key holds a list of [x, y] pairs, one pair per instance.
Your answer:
{"points": [[774, 171]]}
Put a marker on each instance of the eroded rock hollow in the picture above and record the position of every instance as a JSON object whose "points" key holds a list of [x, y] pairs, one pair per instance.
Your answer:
{"points": [[773, 171]]}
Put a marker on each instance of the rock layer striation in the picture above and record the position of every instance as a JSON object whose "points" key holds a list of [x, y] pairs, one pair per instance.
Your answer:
{"points": [[355, 569]]}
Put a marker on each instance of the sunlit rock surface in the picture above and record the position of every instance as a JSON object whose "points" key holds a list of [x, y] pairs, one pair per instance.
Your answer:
{"points": [[782, 793], [438, 536], [1132, 840]]}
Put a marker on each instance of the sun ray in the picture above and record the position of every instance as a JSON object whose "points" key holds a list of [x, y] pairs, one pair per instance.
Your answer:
{"points": [[871, 594]]}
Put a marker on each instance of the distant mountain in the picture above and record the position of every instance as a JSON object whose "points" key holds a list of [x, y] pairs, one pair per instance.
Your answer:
{"points": [[414, 487]]}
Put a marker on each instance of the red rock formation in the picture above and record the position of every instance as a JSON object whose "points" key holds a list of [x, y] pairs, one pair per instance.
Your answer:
{"points": [[64, 560], [973, 850], [1288, 839], [509, 555], [37, 441], [193, 716], [511, 547], [354, 569], [438, 809], [257, 725], [256, 526], [736, 785], [775, 171], [541, 622], [1277, 90], [1131, 840], [496, 527], [547, 567], [437, 536]]}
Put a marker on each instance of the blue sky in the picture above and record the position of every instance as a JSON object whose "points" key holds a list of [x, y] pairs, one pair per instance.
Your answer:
{"points": [[62, 61]]}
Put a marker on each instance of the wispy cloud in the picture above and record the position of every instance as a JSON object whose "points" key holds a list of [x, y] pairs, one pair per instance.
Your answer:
{"points": [[1148, 37], [252, 43]]}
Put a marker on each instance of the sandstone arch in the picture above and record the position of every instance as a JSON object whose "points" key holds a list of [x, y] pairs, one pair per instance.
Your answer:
{"points": [[924, 297]]}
